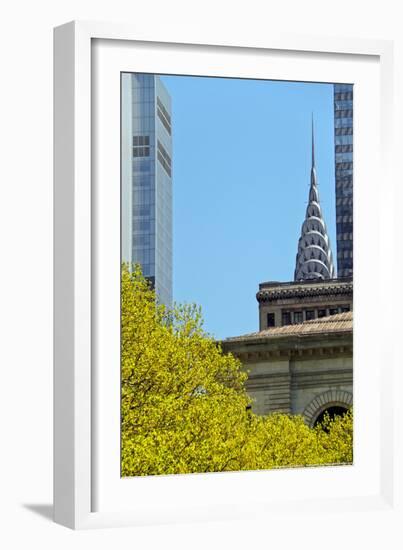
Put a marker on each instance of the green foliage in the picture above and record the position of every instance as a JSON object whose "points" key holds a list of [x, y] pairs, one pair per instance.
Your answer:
{"points": [[184, 406], [336, 438]]}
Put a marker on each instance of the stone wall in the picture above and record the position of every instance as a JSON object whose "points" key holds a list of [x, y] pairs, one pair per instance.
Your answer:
{"points": [[298, 377], [291, 386]]}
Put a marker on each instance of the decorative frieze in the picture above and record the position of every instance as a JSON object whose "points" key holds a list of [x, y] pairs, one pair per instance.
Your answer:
{"points": [[305, 293]]}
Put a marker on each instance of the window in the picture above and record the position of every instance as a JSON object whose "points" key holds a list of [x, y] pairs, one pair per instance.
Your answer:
{"points": [[310, 314], [344, 309], [347, 131], [297, 317], [343, 113], [343, 95], [343, 166], [345, 148], [164, 158], [138, 146], [163, 115], [270, 320], [141, 152], [333, 311], [321, 313], [286, 318], [141, 140]]}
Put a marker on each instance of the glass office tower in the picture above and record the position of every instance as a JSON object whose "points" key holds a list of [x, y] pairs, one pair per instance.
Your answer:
{"points": [[343, 139], [146, 174]]}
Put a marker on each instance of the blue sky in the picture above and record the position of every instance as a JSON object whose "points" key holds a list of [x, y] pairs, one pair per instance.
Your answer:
{"points": [[241, 172]]}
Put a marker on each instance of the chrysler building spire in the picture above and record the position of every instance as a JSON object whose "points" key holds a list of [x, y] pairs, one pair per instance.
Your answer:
{"points": [[313, 146], [314, 257]]}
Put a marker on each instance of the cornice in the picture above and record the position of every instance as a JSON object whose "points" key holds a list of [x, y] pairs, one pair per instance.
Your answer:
{"points": [[255, 356], [278, 293]]}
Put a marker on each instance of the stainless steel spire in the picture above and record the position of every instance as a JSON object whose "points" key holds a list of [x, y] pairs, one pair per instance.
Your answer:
{"points": [[314, 257]]}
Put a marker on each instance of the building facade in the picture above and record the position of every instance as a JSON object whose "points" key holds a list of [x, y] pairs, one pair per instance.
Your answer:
{"points": [[343, 139], [146, 179], [282, 304], [304, 369]]}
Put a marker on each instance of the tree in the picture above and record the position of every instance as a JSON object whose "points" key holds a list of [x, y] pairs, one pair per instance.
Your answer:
{"points": [[335, 437], [184, 407]]}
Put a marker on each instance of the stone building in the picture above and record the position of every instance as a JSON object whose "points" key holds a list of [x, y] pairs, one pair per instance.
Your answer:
{"points": [[295, 302], [302, 369], [301, 360]]}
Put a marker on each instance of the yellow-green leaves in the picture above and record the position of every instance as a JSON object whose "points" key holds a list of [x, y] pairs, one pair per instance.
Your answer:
{"points": [[336, 438], [184, 405]]}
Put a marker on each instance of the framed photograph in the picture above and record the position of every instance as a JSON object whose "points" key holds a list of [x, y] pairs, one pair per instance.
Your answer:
{"points": [[208, 265]]}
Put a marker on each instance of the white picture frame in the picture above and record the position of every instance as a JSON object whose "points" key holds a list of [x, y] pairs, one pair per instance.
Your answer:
{"points": [[86, 493]]}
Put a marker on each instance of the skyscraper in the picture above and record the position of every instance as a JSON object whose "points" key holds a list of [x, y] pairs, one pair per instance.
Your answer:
{"points": [[343, 139], [314, 257], [146, 179]]}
